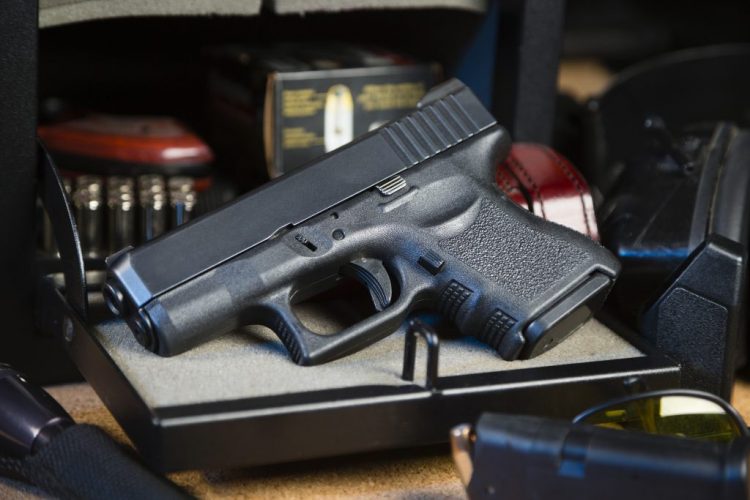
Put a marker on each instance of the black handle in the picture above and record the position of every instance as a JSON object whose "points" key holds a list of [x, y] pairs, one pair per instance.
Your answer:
{"points": [[520, 283], [29, 417]]}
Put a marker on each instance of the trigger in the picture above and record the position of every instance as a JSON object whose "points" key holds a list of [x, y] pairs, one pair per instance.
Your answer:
{"points": [[372, 274]]}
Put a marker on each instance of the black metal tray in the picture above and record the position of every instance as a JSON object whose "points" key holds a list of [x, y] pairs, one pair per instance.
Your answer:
{"points": [[306, 425], [310, 424]]}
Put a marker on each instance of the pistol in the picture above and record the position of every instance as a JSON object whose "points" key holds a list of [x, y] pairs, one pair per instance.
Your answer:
{"points": [[410, 210]]}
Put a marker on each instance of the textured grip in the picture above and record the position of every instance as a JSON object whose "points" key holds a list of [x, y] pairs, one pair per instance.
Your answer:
{"points": [[453, 297], [288, 338], [525, 261], [511, 271], [497, 326]]}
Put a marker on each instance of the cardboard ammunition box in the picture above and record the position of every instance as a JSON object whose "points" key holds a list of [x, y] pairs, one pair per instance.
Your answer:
{"points": [[275, 109]]}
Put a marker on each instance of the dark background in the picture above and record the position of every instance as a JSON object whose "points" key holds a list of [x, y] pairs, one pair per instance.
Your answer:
{"points": [[156, 66]]}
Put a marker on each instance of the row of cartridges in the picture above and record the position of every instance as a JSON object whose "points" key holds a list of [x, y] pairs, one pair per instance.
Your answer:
{"points": [[116, 211]]}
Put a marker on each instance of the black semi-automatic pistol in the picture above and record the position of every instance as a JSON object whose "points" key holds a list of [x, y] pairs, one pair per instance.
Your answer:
{"points": [[411, 210]]}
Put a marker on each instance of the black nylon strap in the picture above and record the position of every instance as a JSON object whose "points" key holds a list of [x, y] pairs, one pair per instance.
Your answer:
{"points": [[83, 462]]}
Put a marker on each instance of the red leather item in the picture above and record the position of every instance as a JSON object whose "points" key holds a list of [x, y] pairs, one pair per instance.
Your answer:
{"points": [[147, 140], [544, 182]]}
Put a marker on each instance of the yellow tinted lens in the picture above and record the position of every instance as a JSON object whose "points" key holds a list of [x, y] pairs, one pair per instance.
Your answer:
{"points": [[685, 416]]}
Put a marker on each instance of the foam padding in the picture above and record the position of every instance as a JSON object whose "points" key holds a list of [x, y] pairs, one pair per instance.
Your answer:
{"points": [[302, 6], [59, 12], [253, 363]]}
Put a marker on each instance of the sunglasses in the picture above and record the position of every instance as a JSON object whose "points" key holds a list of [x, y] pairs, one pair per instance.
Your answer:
{"points": [[680, 413], [677, 413]]}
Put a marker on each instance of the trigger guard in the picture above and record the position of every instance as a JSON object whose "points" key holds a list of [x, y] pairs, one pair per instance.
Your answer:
{"points": [[372, 274]]}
